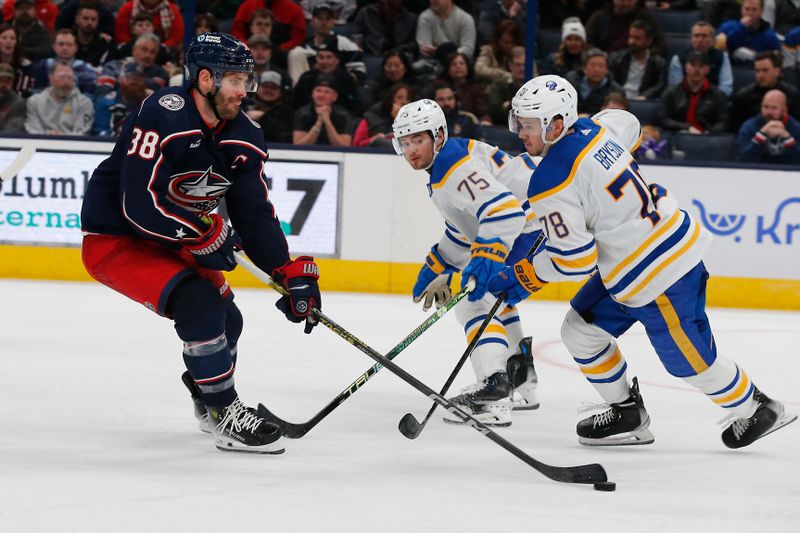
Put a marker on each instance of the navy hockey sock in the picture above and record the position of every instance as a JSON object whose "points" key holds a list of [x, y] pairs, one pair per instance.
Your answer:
{"points": [[233, 326], [200, 319]]}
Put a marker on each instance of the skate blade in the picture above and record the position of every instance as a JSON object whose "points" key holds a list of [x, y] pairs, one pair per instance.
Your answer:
{"points": [[498, 416], [785, 420], [203, 425], [523, 405], [273, 448], [494, 422], [634, 438]]}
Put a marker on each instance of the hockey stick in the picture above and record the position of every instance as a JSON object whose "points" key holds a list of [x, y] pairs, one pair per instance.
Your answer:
{"points": [[591, 473], [23, 157], [295, 431], [409, 426]]}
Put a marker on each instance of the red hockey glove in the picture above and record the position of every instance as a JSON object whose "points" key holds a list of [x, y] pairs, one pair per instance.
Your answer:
{"points": [[299, 277], [215, 248]]}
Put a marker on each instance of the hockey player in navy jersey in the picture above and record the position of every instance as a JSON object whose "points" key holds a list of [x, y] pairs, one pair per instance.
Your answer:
{"points": [[643, 256], [476, 188], [150, 232]]}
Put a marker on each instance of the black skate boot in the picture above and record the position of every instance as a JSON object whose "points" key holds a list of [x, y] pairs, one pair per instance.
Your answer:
{"points": [[523, 377], [238, 428], [624, 424], [770, 415], [200, 412], [489, 401]]}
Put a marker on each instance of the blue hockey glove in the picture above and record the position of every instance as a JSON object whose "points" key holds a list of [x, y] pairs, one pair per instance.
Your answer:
{"points": [[215, 248], [299, 277], [433, 280], [517, 282], [488, 258]]}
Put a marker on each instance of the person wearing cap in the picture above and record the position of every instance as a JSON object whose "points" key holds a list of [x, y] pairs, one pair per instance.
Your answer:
{"points": [[262, 50], [694, 105], [65, 49], [12, 106], [502, 10], [289, 23], [593, 82], [322, 121], [303, 58], [272, 110], [32, 37], [385, 25], [640, 72], [772, 135], [569, 56], [328, 62], [607, 29], [166, 16], [702, 40], [46, 11], [60, 109], [112, 109]]}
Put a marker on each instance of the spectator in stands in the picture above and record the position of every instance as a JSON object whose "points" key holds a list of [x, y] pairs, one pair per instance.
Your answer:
{"points": [[720, 74], [695, 105], [504, 10], [791, 51], [68, 13], [593, 82], [112, 109], [641, 73], [32, 38], [12, 106], [771, 136], [375, 129], [302, 58], [787, 16], [343, 10], [140, 25], [385, 25], [442, 23], [65, 47], [494, 56], [747, 101], [45, 12], [221, 9], [553, 13], [272, 110], [460, 74], [288, 22], [60, 109], [166, 17], [206, 22], [607, 29], [322, 121], [94, 47], [11, 54], [459, 123], [751, 34], [261, 48], [501, 92], [569, 56], [616, 100], [143, 55], [328, 62], [396, 68]]}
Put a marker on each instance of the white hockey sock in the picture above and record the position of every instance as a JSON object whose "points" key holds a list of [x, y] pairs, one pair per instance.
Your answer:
{"points": [[509, 317], [728, 386]]}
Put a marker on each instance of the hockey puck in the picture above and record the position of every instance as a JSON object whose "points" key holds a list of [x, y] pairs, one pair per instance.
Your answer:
{"points": [[605, 486]]}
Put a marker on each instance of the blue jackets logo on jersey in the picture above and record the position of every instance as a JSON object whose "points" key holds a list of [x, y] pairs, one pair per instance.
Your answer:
{"points": [[199, 191]]}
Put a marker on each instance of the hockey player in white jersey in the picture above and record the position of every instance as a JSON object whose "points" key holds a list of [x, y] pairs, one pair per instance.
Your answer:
{"points": [[643, 256], [477, 189]]}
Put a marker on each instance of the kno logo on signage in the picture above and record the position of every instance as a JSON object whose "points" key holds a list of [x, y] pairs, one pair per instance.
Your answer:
{"points": [[781, 227]]}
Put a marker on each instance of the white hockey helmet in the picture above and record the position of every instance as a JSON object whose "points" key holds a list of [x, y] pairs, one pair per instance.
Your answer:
{"points": [[544, 97], [418, 116]]}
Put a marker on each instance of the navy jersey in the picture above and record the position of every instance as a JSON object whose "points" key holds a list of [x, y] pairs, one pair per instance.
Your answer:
{"points": [[168, 169]]}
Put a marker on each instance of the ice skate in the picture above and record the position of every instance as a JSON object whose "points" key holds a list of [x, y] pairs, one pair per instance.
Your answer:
{"points": [[770, 415], [489, 401], [238, 428], [523, 377], [624, 424], [200, 412]]}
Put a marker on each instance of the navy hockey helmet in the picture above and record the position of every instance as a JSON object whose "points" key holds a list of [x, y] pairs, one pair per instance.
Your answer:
{"points": [[219, 53]]}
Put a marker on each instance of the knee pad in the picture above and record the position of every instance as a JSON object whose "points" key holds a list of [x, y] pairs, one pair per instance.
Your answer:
{"points": [[198, 310], [581, 338]]}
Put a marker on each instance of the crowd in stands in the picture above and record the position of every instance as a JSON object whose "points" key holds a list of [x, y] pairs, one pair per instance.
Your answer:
{"points": [[720, 73]]}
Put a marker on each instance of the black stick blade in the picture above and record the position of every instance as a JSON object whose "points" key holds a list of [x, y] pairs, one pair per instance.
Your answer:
{"points": [[288, 430], [409, 426], [592, 473]]}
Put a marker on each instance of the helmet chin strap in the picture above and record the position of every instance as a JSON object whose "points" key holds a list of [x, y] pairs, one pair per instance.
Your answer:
{"points": [[211, 98]]}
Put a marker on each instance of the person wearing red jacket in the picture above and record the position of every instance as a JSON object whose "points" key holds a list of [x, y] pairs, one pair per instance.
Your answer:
{"points": [[167, 20], [46, 12], [289, 22]]}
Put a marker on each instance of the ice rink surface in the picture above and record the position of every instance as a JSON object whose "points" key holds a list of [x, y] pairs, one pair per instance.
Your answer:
{"points": [[98, 433]]}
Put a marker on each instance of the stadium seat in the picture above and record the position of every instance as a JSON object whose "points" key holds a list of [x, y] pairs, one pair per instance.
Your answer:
{"points": [[647, 111], [674, 21], [676, 44], [500, 136], [549, 41], [373, 65], [743, 75], [708, 147]]}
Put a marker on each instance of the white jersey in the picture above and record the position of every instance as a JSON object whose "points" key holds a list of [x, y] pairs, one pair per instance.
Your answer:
{"points": [[481, 192], [589, 195]]}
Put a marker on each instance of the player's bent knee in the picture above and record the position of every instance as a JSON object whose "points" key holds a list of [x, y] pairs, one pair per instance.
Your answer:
{"points": [[582, 338], [233, 322], [197, 309]]}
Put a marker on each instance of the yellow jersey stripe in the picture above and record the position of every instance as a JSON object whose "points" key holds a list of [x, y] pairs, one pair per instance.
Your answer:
{"points": [[656, 271], [743, 386], [455, 166], [671, 223], [575, 164], [492, 328], [513, 203], [581, 263], [603, 367], [679, 336]]}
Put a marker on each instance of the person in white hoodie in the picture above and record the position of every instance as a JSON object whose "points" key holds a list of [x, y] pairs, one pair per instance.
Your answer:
{"points": [[60, 109]]}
